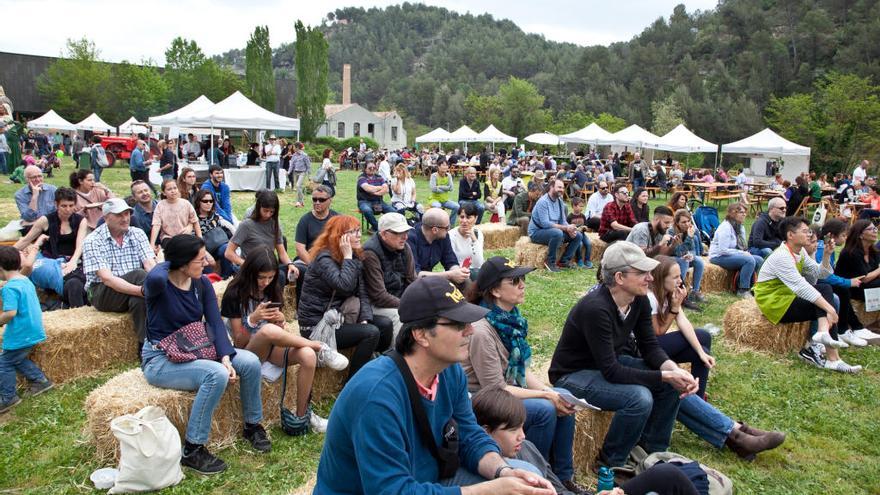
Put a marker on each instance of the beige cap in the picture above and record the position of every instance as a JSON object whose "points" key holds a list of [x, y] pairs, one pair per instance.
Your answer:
{"points": [[114, 205], [395, 222], [623, 254]]}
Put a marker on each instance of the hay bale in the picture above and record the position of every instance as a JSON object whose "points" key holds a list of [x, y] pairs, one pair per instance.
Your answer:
{"points": [[498, 235], [528, 253], [715, 279], [869, 319], [598, 247], [746, 325], [589, 434]]}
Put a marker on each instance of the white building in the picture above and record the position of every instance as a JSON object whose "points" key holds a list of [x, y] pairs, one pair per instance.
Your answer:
{"points": [[352, 120]]}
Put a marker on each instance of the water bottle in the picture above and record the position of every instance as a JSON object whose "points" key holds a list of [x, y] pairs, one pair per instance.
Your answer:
{"points": [[712, 329], [606, 479]]}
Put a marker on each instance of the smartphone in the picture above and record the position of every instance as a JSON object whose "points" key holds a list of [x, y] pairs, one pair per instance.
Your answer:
{"points": [[273, 305]]}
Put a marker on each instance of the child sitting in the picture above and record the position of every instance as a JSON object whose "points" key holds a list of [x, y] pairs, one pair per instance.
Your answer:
{"points": [[24, 329], [578, 219]]}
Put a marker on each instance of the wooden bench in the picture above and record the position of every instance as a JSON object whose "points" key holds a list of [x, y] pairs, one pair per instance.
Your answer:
{"points": [[745, 325], [498, 235]]}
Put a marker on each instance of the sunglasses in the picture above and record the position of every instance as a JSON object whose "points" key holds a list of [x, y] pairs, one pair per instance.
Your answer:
{"points": [[207, 201], [319, 200], [517, 280]]}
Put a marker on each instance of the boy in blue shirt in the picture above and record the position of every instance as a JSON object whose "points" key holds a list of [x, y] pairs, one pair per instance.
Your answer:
{"points": [[24, 330]]}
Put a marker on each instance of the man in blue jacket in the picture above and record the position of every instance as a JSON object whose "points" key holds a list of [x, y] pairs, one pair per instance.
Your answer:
{"points": [[549, 226], [373, 443], [220, 190]]}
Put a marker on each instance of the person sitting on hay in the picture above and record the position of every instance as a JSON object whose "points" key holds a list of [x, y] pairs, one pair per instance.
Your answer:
{"points": [[784, 295]]}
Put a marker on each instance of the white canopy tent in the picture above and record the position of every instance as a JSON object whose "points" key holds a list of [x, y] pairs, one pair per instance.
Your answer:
{"points": [[681, 140], [435, 136], [51, 120], [237, 112], [169, 119], [463, 134], [492, 135], [591, 134], [768, 144], [633, 136], [132, 126], [95, 124], [544, 138]]}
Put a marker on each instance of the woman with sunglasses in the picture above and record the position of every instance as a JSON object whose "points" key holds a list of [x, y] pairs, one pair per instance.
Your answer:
{"points": [[334, 280], [209, 220], [499, 356]]}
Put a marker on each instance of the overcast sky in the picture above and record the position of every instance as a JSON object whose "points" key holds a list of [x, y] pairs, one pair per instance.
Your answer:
{"points": [[127, 30]]}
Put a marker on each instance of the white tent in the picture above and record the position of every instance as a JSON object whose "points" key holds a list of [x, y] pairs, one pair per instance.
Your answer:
{"points": [[132, 126], [169, 119], [463, 134], [591, 134], [681, 140], [51, 120], [435, 136], [766, 142], [237, 112], [493, 135], [544, 138], [632, 136], [95, 124]]}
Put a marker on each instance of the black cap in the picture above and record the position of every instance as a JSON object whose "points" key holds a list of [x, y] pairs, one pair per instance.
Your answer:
{"points": [[431, 297], [497, 268]]}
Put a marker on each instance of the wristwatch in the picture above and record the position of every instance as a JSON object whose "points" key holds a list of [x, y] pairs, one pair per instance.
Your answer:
{"points": [[502, 468]]}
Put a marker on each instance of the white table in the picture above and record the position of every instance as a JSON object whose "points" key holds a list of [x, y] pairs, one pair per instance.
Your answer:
{"points": [[251, 178]]}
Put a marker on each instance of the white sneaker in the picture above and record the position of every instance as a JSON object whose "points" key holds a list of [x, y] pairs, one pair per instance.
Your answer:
{"points": [[850, 338], [842, 367], [329, 358], [318, 424], [825, 338], [270, 371], [865, 334]]}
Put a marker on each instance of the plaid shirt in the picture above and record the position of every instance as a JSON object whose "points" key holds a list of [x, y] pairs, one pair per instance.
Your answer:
{"points": [[101, 251], [614, 213]]}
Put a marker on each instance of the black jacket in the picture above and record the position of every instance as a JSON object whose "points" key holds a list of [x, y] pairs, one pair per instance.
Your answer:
{"points": [[467, 192], [322, 277], [765, 233]]}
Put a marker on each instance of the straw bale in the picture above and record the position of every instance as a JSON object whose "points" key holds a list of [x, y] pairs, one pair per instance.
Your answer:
{"points": [[529, 253], [598, 247], [289, 308], [744, 324], [868, 319], [715, 279], [589, 434], [498, 235]]}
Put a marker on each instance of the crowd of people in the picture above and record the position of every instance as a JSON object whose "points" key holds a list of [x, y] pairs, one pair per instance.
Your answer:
{"points": [[443, 334]]}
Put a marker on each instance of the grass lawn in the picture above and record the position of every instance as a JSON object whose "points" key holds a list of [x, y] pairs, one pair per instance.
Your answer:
{"points": [[833, 443]]}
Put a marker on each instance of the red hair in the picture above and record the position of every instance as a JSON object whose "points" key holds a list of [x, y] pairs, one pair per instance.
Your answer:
{"points": [[332, 233]]}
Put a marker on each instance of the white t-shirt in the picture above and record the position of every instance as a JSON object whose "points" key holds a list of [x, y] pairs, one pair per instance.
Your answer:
{"points": [[273, 152], [859, 174], [385, 170], [406, 192], [653, 299]]}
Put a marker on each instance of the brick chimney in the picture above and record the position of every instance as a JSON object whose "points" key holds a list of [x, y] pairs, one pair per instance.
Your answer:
{"points": [[346, 84]]}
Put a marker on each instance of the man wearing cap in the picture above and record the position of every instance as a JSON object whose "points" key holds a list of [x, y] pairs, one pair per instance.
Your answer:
{"points": [[550, 227], [596, 359], [116, 261], [373, 442], [388, 266], [430, 245], [273, 161], [36, 198]]}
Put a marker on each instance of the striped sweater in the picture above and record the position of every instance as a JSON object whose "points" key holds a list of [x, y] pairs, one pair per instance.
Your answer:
{"points": [[781, 265]]}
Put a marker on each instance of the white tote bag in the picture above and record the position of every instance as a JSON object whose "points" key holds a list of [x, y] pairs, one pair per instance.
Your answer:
{"points": [[149, 451]]}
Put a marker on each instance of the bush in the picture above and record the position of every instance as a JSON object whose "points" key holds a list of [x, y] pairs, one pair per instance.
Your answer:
{"points": [[354, 142]]}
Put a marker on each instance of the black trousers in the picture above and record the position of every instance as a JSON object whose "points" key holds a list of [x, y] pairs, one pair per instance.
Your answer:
{"points": [[593, 224], [803, 310], [614, 235], [664, 479], [366, 338]]}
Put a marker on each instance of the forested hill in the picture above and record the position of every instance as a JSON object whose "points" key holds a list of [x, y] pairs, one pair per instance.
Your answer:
{"points": [[716, 69]]}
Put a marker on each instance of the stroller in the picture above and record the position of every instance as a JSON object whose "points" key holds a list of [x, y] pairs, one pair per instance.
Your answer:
{"points": [[706, 221]]}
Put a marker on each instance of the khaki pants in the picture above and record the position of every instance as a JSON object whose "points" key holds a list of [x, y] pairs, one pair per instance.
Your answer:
{"points": [[391, 314]]}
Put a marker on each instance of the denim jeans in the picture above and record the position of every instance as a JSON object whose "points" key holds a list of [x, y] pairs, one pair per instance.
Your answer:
{"points": [[96, 171], [552, 435], [704, 420], [481, 208], [587, 251], [642, 415], [209, 380], [762, 252], [272, 174], [16, 360], [697, 263], [553, 238], [3, 169], [366, 207], [227, 268], [450, 205], [747, 264]]}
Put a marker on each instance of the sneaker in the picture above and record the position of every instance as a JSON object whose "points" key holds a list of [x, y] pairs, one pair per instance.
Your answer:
{"points": [[842, 367], [38, 388], [256, 435], [825, 338], [575, 488], [9, 404], [271, 372], [810, 356], [317, 423], [850, 338], [328, 358], [589, 265], [202, 461], [744, 293], [552, 267], [867, 335], [697, 297], [581, 264]]}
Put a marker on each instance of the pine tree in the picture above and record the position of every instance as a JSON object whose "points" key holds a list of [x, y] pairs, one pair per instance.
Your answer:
{"points": [[312, 66]]}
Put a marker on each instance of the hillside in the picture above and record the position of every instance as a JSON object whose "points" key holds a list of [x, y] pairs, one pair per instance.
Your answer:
{"points": [[718, 69]]}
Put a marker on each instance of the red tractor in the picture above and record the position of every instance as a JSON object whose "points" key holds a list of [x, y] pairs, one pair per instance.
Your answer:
{"points": [[120, 147]]}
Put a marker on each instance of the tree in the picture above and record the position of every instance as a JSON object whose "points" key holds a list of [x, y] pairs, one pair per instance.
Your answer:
{"points": [[188, 74], [521, 111], [76, 84], [667, 115], [312, 67], [135, 90], [259, 76]]}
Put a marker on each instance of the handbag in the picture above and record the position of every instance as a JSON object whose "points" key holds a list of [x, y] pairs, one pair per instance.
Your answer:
{"points": [[150, 451], [188, 343], [446, 454], [215, 238]]}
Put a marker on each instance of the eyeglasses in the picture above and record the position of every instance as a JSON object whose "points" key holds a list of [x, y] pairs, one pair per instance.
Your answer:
{"points": [[638, 273], [624, 192], [319, 200], [441, 227], [356, 232]]}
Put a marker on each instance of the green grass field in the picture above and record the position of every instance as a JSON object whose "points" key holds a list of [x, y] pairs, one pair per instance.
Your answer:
{"points": [[832, 420]]}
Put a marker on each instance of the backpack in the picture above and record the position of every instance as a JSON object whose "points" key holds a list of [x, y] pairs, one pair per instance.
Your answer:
{"points": [[719, 483], [706, 221], [101, 156]]}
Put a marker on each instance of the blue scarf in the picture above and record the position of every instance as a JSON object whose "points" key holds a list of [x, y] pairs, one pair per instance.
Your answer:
{"points": [[512, 329]]}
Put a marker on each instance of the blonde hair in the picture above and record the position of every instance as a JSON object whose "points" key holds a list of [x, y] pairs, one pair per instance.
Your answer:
{"points": [[399, 167]]}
